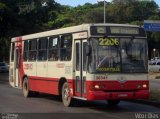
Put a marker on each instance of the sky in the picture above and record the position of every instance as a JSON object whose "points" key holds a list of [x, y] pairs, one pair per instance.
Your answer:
{"points": [[82, 2]]}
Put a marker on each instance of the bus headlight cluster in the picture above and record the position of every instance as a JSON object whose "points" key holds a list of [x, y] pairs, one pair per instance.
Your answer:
{"points": [[142, 86], [97, 87]]}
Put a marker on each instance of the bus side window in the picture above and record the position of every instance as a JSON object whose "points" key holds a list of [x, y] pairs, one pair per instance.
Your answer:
{"points": [[32, 50], [25, 51], [53, 49], [66, 48], [42, 49]]}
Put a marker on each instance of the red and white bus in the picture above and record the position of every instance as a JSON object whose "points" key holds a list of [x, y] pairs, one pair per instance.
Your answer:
{"points": [[88, 62]]}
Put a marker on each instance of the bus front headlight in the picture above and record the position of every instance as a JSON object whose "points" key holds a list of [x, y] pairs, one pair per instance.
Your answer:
{"points": [[96, 87], [144, 85]]}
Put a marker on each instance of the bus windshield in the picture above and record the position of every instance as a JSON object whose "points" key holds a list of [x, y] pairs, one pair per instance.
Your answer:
{"points": [[118, 55]]}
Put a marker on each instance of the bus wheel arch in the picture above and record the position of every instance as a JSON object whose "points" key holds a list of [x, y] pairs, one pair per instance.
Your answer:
{"points": [[60, 85], [25, 76]]}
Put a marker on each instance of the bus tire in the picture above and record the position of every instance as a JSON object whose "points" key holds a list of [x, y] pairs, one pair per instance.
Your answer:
{"points": [[66, 98], [113, 102], [26, 88]]}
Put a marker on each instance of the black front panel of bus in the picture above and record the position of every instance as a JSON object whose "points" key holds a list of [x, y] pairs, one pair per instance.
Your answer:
{"points": [[117, 31]]}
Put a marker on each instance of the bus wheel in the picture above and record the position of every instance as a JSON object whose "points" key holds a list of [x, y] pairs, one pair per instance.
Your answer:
{"points": [[113, 102], [66, 95], [25, 88]]}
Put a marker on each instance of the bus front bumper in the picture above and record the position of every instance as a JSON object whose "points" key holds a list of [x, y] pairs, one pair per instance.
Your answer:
{"points": [[101, 95]]}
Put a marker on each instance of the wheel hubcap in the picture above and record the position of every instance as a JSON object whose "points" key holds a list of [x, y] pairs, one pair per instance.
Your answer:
{"points": [[25, 86], [66, 93]]}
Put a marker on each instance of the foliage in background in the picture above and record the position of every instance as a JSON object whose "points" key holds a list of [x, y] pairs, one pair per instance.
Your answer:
{"points": [[21, 17]]}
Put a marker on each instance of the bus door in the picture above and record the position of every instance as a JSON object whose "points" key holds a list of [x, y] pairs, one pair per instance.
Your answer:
{"points": [[16, 66], [80, 71]]}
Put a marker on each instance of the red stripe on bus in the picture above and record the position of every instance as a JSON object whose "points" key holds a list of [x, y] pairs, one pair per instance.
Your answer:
{"points": [[127, 91]]}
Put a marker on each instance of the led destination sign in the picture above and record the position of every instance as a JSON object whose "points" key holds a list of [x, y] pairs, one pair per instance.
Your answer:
{"points": [[117, 31], [124, 30]]}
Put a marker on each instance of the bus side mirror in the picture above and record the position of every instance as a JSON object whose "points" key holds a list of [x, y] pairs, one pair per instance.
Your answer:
{"points": [[88, 50]]}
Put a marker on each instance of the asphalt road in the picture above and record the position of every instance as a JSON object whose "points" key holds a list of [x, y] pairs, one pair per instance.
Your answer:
{"points": [[13, 104], [155, 84]]}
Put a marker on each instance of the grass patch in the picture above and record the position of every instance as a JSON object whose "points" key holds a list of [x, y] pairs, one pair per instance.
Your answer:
{"points": [[155, 95]]}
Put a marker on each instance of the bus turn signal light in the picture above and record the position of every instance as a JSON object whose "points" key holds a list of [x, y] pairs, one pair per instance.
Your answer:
{"points": [[139, 86]]}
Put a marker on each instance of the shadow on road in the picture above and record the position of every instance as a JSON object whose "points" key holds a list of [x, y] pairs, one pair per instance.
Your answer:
{"points": [[4, 77], [101, 106]]}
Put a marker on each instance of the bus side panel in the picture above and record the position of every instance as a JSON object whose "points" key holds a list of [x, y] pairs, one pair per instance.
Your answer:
{"points": [[47, 85], [43, 84]]}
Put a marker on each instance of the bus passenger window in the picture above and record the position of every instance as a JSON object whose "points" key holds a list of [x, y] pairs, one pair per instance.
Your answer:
{"points": [[32, 50], [53, 49], [42, 49], [25, 51], [66, 48]]}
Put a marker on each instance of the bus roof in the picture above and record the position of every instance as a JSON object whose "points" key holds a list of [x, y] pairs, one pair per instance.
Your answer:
{"points": [[67, 30]]}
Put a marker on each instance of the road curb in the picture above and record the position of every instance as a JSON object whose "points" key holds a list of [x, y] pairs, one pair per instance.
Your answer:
{"points": [[147, 102]]}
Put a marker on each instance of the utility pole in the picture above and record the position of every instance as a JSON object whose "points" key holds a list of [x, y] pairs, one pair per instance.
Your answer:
{"points": [[104, 14], [104, 11]]}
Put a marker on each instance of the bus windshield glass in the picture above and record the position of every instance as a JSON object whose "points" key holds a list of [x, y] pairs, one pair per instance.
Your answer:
{"points": [[118, 55]]}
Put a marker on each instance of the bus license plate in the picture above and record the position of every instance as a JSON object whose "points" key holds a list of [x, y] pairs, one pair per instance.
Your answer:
{"points": [[122, 95]]}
